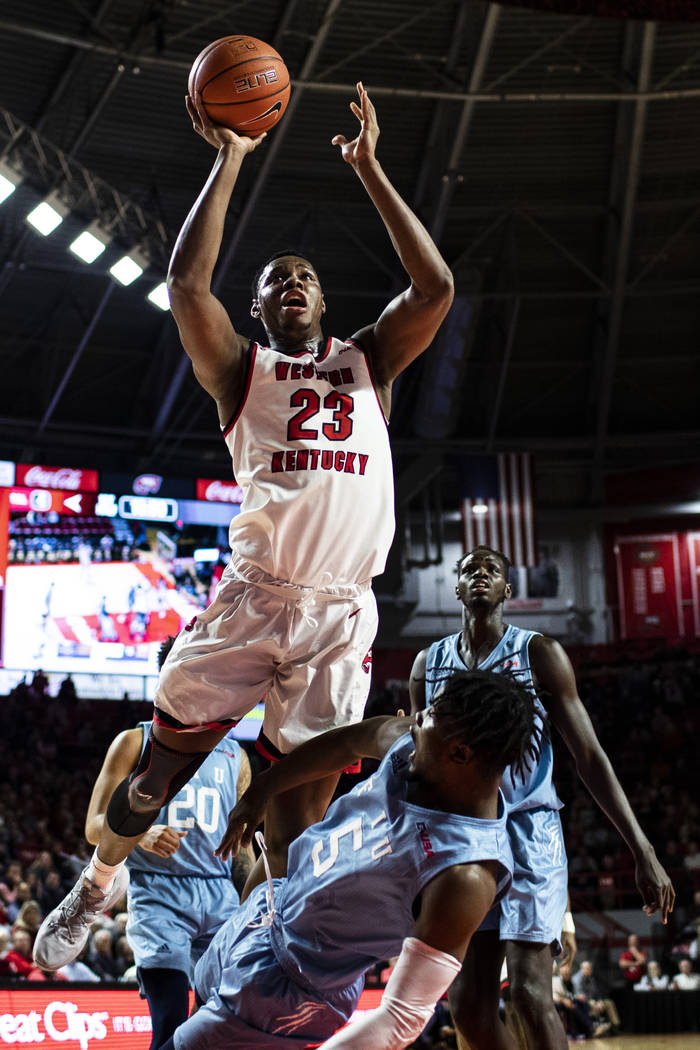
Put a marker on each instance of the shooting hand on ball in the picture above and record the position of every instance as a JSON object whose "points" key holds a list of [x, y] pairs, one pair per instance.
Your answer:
{"points": [[216, 134], [361, 148]]}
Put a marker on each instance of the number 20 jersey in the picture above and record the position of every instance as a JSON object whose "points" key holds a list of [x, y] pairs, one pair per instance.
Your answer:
{"points": [[310, 450], [201, 808], [353, 878]]}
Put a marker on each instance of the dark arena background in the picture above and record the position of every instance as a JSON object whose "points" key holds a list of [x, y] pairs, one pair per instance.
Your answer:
{"points": [[552, 150]]}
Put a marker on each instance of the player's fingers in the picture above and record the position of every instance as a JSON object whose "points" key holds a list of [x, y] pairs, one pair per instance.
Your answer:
{"points": [[356, 110], [339, 140]]}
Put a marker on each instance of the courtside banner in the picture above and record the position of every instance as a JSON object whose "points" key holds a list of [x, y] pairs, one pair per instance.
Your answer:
{"points": [[86, 1019]]}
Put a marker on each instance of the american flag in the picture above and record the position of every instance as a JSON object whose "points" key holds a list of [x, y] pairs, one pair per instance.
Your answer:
{"points": [[505, 522]]}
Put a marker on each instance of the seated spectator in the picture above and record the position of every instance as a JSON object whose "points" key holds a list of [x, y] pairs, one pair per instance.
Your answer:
{"points": [[685, 980], [52, 893], [692, 857], [18, 961], [588, 990], [29, 919], [653, 980], [575, 1014], [23, 893], [633, 960], [101, 960]]}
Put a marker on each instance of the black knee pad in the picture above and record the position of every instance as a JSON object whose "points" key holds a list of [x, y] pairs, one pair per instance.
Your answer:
{"points": [[158, 777]]}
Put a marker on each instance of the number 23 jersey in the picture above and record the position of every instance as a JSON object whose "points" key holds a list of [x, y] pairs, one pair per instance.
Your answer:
{"points": [[310, 450]]}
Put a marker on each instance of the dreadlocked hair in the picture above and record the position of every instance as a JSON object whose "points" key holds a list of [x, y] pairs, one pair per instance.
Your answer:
{"points": [[494, 715]]}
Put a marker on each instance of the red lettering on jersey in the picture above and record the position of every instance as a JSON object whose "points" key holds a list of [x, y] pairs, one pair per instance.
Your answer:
{"points": [[281, 370], [363, 461], [347, 375], [322, 375], [326, 460], [277, 462], [295, 372], [334, 377], [339, 460], [308, 371], [313, 452], [302, 459], [290, 460], [349, 467]]}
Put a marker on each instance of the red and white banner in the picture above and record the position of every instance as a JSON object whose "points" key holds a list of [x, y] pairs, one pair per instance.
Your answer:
{"points": [[109, 1019], [508, 523], [649, 586], [214, 491], [34, 476]]}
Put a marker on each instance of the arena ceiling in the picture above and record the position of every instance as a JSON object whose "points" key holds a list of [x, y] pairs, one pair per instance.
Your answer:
{"points": [[555, 157]]}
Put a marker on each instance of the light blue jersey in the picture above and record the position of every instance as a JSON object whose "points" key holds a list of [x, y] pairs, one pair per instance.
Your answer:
{"points": [[535, 906], [200, 808], [534, 788], [346, 903], [176, 904]]}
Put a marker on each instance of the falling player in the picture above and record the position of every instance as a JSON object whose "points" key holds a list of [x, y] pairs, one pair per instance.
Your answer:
{"points": [[407, 864], [527, 924], [294, 616]]}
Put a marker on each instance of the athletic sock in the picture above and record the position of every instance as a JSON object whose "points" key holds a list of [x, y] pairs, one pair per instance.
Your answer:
{"points": [[102, 874]]}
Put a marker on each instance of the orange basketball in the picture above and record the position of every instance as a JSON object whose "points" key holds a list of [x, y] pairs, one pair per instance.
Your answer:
{"points": [[243, 84]]}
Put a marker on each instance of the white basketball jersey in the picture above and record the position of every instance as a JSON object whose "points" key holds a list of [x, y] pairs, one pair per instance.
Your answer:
{"points": [[311, 452]]}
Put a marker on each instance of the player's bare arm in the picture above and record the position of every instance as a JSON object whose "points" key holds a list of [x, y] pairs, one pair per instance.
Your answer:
{"points": [[416, 682], [313, 760], [555, 675], [453, 906], [408, 324], [122, 755], [218, 353]]}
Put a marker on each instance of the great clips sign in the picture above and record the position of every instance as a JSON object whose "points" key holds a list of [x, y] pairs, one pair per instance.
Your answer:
{"points": [[35, 476], [219, 491]]}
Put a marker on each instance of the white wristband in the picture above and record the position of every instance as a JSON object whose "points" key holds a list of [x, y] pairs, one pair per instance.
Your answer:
{"points": [[568, 925]]}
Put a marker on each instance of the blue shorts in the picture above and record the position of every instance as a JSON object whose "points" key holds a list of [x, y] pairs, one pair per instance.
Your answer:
{"points": [[173, 918], [249, 1000], [534, 908]]}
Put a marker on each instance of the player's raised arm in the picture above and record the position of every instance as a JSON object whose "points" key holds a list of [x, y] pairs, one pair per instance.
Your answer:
{"points": [[317, 758], [555, 674], [216, 350], [408, 324]]}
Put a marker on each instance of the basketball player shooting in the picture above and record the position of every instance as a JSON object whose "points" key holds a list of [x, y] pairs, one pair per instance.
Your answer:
{"points": [[304, 418]]}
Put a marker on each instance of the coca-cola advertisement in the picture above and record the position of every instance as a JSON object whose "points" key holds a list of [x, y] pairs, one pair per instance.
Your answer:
{"points": [[36, 476], [215, 491]]}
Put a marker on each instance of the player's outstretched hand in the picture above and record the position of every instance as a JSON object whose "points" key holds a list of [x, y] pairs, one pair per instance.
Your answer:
{"points": [[362, 147], [162, 840], [243, 819], [216, 134], [655, 886]]}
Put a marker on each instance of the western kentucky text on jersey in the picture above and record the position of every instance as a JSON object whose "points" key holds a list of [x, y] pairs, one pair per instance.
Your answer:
{"points": [[295, 371], [319, 459]]}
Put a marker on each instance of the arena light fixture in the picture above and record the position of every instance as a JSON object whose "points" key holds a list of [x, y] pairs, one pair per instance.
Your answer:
{"points": [[9, 180], [130, 267], [159, 296], [47, 215], [90, 244], [479, 507]]}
